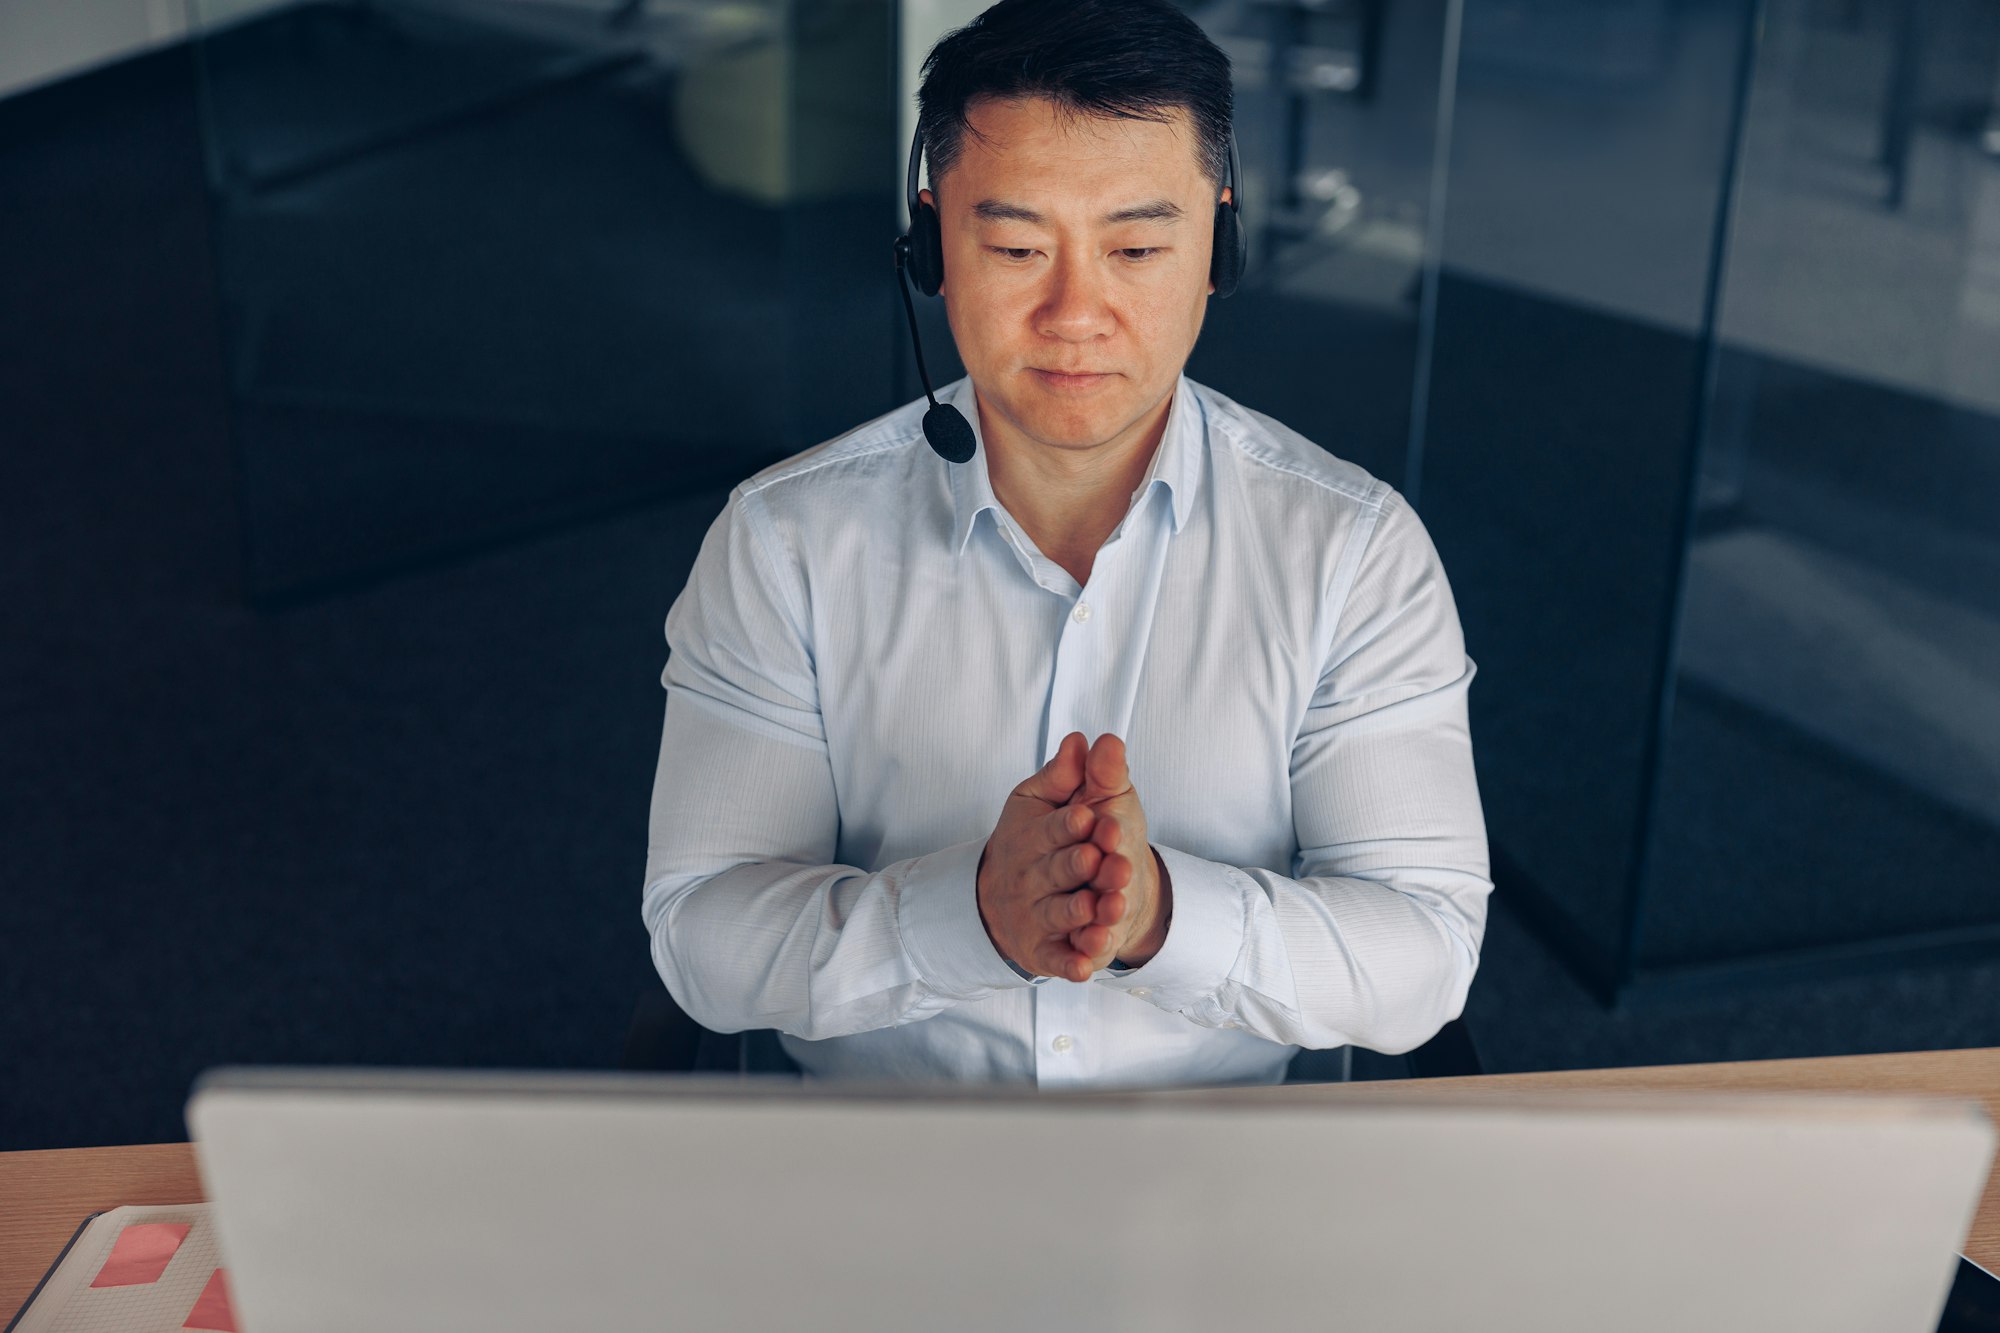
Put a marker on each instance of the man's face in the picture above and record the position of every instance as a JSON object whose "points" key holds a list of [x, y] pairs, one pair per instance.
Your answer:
{"points": [[1074, 245]]}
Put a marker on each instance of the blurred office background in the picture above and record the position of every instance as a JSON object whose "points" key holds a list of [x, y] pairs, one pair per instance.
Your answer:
{"points": [[371, 369]]}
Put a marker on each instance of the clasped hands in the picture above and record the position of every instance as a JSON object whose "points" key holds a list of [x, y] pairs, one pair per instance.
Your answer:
{"points": [[1068, 881]]}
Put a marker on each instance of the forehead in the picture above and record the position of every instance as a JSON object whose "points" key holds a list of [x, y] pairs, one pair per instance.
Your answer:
{"points": [[1033, 141]]}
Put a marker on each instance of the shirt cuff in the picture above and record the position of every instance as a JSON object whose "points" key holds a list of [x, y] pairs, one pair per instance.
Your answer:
{"points": [[937, 915], [1203, 939]]}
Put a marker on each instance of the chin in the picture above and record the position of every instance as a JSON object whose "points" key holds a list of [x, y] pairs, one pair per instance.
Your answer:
{"points": [[1047, 417], [1075, 430]]}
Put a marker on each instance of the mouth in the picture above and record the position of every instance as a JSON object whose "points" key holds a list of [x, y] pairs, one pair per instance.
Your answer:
{"points": [[1057, 379]]}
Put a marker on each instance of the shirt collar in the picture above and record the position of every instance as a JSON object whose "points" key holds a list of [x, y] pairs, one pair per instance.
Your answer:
{"points": [[1176, 463]]}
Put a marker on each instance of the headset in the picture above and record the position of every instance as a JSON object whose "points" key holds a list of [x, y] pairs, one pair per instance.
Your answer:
{"points": [[920, 259]]}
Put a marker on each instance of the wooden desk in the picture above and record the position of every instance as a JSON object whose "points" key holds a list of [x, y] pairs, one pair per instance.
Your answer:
{"points": [[44, 1196]]}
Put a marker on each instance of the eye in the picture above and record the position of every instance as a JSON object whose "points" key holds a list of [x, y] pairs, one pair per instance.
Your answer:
{"points": [[1012, 256], [1141, 254]]}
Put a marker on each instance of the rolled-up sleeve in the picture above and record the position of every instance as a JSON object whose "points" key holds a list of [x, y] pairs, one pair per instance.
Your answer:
{"points": [[751, 923], [1374, 937]]}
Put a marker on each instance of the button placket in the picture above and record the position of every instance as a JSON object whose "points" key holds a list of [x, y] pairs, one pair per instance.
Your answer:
{"points": [[1062, 1016]]}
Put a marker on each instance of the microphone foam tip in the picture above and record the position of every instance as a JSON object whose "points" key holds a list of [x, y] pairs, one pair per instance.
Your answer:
{"points": [[949, 432]]}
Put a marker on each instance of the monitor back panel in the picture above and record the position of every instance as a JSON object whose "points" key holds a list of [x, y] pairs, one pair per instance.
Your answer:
{"points": [[380, 1203]]}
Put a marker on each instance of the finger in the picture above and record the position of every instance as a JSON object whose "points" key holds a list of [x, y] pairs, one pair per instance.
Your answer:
{"points": [[1071, 867], [1060, 913], [1105, 832], [1113, 873], [1109, 907], [1104, 772], [1058, 779], [1063, 826], [1094, 942], [1058, 959]]}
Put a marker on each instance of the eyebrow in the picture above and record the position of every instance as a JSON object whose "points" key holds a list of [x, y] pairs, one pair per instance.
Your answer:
{"points": [[1153, 210]]}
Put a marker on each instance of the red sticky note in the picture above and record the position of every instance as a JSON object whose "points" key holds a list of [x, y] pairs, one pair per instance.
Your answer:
{"points": [[140, 1254], [211, 1308]]}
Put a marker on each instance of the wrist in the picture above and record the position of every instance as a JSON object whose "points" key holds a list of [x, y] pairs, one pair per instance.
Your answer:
{"points": [[1152, 937], [979, 905]]}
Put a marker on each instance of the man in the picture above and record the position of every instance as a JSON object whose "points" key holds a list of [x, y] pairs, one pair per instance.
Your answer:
{"points": [[1211, 676]]}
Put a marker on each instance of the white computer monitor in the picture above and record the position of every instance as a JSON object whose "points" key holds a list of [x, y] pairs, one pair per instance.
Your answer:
{"points": [[429, 1201]]}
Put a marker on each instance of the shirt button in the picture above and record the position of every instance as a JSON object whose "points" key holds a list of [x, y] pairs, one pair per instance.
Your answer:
{"points": [[1082, 612], [1142, 991], [1061, 1044]]}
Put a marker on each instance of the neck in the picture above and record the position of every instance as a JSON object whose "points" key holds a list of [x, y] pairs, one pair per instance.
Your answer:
{"points": [[1070, 500]]}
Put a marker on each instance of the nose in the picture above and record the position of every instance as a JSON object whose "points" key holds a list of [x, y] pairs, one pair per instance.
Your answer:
{"points": [[1074, 307]]}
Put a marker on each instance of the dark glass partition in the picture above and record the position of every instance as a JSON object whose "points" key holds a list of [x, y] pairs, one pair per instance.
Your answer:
{"points": [[1677, 321], [1830, 780], [1590, 151], [1711, 458], [1338, 119], [490, 266]]}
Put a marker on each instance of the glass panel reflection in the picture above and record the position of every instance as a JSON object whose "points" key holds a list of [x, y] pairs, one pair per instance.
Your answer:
{"points": [[1337, 118], [1832, 775], [1589, 149], [494, 265]]}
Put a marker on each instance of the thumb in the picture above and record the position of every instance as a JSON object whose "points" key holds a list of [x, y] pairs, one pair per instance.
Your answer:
{"points": [[1062, 775], [1105, 774]]}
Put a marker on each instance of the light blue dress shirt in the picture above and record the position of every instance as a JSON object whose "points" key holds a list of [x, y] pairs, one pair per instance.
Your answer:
{"points": [[870, 654]]}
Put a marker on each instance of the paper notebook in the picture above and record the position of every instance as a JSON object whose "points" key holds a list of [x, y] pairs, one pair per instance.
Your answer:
{"points": [[135, 1270]]}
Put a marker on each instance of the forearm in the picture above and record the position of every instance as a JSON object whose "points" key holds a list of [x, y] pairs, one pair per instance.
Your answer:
{"points": [[825, 950], [751, 922], [1318, 962], [1375, 937]]}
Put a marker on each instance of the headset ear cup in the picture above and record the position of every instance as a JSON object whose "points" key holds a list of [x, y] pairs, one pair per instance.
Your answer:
{"points": [[1225, 267], [926, 251]]}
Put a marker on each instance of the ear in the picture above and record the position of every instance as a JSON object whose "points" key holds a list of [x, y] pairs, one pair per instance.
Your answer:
{"points": [[927, 197]]}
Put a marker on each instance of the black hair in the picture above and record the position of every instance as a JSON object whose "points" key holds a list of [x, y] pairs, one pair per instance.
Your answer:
{"points": [[1131, 59]]}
